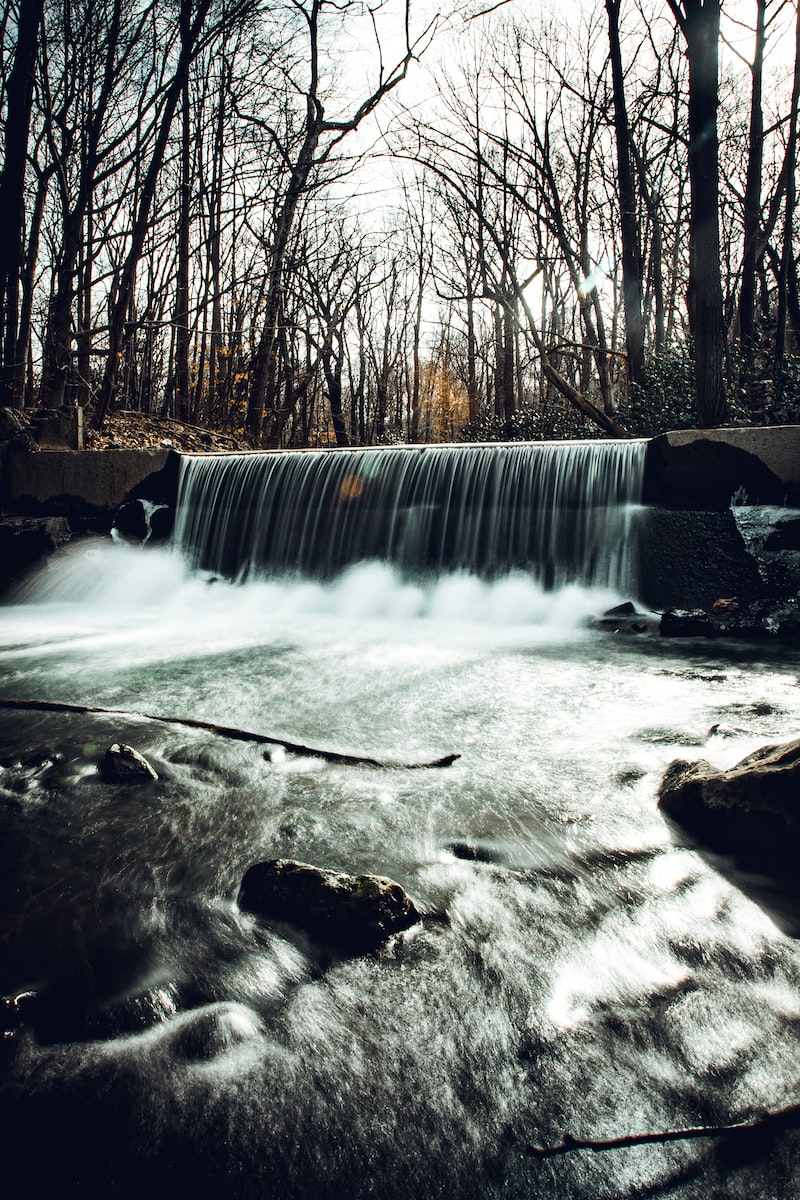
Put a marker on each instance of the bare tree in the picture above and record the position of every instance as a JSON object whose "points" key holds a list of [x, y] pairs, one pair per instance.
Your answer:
{"points": [[629, 225], [787, 267], [18, 100], [89, 58], [319, 139], [699, 22], [752, 194], [189, 46]]}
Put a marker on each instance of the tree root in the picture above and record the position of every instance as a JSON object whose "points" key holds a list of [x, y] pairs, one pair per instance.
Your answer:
{"points": [[241, 735], [769, 1122]]}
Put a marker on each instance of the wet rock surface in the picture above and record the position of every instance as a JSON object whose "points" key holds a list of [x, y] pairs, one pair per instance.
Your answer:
{"points": [[350, 911], [626, 618], [762, 621], [751, 811], [25, 541], [123, 764], [139, 521], [689, 559]]}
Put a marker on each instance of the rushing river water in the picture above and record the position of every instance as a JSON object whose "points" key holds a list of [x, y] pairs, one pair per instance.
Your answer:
{"points": [[578, 971]]}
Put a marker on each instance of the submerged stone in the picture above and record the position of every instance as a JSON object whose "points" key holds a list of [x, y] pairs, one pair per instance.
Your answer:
{"points": [[123, 764], [351, 911], [210, 1032], [751, 811], [686, 623], [628, 609], [785, 536], [625, 618]]}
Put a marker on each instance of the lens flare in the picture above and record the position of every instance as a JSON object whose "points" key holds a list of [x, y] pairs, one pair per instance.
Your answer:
{"points": [[351, 487]]}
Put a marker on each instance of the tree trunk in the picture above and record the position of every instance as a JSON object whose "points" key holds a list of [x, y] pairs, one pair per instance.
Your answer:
{"points": [[752, 191], [699, 21], [264, 372], [787, 252], [21, 382], [472, 356], [509, 396], [19, 99], [332, 366], [127, 278], [629, 226], [181, 386], [58, 351]]}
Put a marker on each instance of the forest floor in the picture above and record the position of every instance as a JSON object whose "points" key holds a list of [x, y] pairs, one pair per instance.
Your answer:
{"points": [[136, 430]]}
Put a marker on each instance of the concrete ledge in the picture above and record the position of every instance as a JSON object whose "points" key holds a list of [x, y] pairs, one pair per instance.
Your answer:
{"points": [[86, 482], [777, 446], [707, 468]]}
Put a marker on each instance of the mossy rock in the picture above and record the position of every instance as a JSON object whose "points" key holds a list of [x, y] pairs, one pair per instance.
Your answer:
{"points": [[347, 911]]}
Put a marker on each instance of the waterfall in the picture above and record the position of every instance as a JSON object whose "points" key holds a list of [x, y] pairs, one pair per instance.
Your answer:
{"points": [[561, 512]]}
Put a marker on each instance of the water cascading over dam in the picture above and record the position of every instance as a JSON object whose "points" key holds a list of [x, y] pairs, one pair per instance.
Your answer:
{"points": [[561, 512]]}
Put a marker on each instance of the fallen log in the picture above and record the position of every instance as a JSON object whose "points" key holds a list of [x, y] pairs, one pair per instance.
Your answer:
{"points": [[768, 1122], [240, 735]]}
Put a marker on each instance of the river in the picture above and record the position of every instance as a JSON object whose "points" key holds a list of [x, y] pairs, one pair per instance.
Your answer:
{"points": [[578, 969]]}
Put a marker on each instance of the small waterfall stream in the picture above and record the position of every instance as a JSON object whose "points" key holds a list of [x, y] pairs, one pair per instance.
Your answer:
{"points": [[562, 512]]}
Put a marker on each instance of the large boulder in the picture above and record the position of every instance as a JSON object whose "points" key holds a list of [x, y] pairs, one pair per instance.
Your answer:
{"points": [[131, 522], [751, 811], [348, 911]]}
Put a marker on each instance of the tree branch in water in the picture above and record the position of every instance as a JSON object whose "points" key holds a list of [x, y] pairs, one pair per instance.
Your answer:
{"points": [[771, 1122], [229, 731]]}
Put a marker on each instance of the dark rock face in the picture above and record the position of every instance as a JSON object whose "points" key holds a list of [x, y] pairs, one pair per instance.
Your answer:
{"points": [[356, 912], [123, 764], [24, 541], [12, 423], [785, 537], [626, 618], [131, 521], [86, 484], [139, 521], [751, 811], [688, 559], [48, 496], [162, 520], [58, 428]]}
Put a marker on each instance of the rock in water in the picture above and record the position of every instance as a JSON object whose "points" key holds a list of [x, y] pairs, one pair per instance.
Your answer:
{"points": [[751, 811], [123, 764], [349, 911]]}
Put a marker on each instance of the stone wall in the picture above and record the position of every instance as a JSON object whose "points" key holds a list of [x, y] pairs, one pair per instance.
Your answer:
{"points": [[49, 497], [85, 483]]}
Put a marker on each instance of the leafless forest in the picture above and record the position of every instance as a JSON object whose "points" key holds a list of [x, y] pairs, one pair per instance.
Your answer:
{"points": [[343, 222]]}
